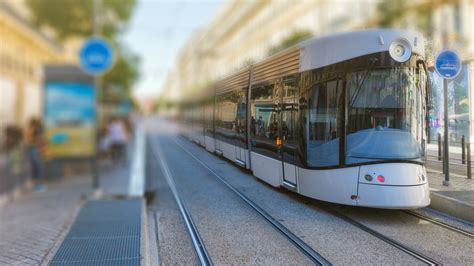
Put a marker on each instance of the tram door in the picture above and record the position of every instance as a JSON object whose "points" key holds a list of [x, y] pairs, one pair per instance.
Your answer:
{"points": [[288, 107]]}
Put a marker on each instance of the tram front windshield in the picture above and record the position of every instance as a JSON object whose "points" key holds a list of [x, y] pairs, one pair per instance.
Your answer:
{"points": [[384, 116]]}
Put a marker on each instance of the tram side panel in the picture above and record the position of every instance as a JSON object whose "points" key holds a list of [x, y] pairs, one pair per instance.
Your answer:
{"points": [[209, 141], [334, 185], [230, 126], [200, 136], [264, 124]]}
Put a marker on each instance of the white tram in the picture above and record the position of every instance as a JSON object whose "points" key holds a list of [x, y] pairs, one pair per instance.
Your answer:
{"points": [[341, 118]]}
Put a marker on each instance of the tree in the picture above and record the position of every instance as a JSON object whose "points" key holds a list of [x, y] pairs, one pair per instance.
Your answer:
{"points": [[122, 76], [292, 39], [391, 12], [74, 18]]}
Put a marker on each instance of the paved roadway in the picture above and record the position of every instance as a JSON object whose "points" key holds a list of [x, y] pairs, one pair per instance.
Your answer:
{"points": [[234, 234]]}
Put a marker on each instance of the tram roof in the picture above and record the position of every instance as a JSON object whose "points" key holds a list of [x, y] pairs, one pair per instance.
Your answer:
{"points": [[330, 49]]}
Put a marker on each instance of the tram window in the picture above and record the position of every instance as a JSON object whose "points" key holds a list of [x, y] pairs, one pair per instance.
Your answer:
{"points": [[240, 98], [226, 105], [289, 111], [322, 125], [208, 114], [264, 113], [384, 116]]}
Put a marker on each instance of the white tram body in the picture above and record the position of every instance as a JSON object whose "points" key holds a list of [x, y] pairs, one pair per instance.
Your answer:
{"points": [[339, 118]]}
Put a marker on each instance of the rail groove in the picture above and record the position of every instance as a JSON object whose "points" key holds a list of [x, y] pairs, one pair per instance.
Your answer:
{"points": [[313, 255], [198, 244], [423, 258], [444, 225]]}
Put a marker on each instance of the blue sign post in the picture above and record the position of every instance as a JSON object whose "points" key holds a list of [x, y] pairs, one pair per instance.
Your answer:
{"points": [[96, 56], [448, 65]]}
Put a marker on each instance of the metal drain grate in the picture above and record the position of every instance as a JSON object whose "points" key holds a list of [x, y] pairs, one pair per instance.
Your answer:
{"points": [[106, 232]]}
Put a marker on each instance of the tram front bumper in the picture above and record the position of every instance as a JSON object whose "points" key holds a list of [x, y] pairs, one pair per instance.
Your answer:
{"points": [[393, 197]]}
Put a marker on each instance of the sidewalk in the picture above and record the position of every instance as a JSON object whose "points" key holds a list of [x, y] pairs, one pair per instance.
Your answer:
{"points": [[457, 199], [452, 149], [33, 226]]}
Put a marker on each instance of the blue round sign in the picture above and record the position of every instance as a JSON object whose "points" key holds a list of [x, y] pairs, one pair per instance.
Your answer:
{"points": [[448, 65], [96, 55]]}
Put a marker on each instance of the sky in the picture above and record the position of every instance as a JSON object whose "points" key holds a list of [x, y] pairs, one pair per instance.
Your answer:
{"points": [[157, 31]]}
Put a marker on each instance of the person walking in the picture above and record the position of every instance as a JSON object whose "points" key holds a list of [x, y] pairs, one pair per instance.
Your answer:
{"points": [[118, 139], [34, 145]]}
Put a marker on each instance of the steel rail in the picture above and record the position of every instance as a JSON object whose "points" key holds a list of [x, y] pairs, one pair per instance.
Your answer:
{"points": [[313, 255], [398, 245], [198, 243], [442, 224]]}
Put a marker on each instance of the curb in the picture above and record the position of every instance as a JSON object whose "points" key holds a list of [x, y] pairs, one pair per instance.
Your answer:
{"points": [[452, 206], [144, 243]]}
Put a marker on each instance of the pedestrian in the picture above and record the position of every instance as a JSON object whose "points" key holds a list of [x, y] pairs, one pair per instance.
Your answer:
{"points": [[253, 126], [104, 142], [35, 144], [118, 139], [260, 126]]}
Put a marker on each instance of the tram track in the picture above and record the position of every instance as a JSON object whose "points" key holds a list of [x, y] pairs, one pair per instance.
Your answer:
{"points": [[398, 245], [198, 244], [439, 223], [309, 252], [410, 251]]}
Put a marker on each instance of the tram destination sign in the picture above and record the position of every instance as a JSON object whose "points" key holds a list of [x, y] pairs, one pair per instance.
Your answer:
{"points": [[96, 56], [448, 65]]}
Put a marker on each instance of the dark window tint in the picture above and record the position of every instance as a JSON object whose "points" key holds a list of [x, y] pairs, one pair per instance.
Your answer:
{"points": [[209, 116], [231, 117], [264, 123], [384, 116], [322, 125], [289, 111]]}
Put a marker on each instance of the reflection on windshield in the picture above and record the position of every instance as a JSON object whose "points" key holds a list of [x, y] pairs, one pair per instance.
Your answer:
{"points": [[384, 116]]}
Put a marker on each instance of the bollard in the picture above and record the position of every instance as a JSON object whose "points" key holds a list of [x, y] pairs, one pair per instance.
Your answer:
{"points": [[442, 156], [463, 150], [469, 173], [439, 147]]}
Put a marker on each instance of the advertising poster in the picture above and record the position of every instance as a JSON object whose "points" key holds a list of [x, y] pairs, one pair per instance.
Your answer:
{"points": [[70, 119]]}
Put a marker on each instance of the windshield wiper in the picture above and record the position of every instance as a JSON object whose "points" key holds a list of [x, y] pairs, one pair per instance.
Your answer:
{"points": [[373, 60], [384, 158]]}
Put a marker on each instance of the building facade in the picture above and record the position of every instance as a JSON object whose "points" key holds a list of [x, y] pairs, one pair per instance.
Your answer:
{"points": [[23, 51]]}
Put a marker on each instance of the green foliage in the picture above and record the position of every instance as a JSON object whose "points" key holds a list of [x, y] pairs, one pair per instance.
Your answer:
{"points": [[75, 17], [292, 39], [118, 81], [390, 12], [393, 12]]}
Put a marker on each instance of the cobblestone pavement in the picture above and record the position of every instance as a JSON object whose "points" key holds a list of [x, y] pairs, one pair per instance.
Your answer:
{"points": [[32, 224]]}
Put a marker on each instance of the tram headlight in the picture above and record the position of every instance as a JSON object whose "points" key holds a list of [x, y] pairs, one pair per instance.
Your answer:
{"points": [[368, 177], [400, 50]]}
